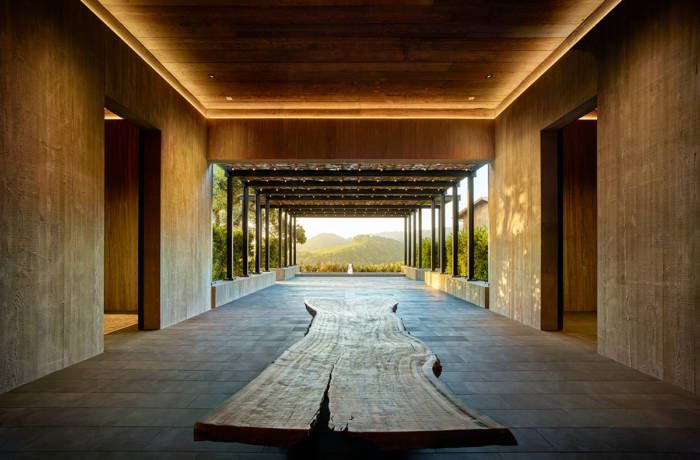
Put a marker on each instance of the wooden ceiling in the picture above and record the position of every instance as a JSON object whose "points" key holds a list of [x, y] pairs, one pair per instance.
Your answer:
{"points": [[352, 58]]}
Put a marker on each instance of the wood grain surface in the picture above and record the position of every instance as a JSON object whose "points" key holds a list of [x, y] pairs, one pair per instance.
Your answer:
{"points": [[356, 372]]}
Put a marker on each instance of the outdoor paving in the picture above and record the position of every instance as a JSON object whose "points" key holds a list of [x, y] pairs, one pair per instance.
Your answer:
{"points": [[142, 396]]}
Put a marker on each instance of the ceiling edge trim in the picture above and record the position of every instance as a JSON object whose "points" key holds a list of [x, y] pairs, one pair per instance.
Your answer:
{"points": [[127, 37], [591, 21]]}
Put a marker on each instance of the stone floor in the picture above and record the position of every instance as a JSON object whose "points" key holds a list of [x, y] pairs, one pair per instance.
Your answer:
{"points": [[141, 397], [582, 325]]}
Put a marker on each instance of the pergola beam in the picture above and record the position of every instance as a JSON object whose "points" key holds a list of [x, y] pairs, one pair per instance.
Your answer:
{"points": [[269, 186], [277, 173]]}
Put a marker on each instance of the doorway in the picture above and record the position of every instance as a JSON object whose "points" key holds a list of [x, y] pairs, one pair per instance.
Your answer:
{"points": [[131, 225], [578, 234], [569, 247]]}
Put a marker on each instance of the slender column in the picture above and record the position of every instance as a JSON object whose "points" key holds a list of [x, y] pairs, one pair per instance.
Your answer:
{"points": [[415, 239], [280, 228], [410, 239], [229, 226], [283, 260], [294, 247], [433, 261], [267, 234], [455, 232], [405, 240], [470, 237], [441, 232], [420, 238], [289, 239], [258, 233], [244, 222]]}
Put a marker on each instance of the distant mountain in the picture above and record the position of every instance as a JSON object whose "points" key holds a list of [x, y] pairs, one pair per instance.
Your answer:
{"points": [[323, 241], [398, 236], [363, 249]]}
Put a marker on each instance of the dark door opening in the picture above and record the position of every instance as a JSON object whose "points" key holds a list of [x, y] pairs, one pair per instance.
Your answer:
{"points": [[132, 225], [577, 304], [569, 240], [121, 226]]}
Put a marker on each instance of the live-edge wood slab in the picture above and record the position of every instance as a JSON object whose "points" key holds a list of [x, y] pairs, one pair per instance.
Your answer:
{"points": [[360, 373]]}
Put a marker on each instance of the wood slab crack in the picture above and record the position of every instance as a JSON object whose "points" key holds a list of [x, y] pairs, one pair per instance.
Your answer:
{"points": [[356, 372]]}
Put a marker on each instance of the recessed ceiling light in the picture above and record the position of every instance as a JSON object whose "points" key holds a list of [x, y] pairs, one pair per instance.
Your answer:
{"points": [[489, 75], [229, 98], [471, 98], [211, 76]]}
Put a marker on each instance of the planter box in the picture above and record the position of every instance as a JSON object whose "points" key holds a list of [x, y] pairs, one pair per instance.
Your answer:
{"points": [[476, 292]]}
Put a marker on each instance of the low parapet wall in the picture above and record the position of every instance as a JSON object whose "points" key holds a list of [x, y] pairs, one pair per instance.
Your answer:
{"points": [[287, 273], [223, 292], [476, 292], [414, 273]]}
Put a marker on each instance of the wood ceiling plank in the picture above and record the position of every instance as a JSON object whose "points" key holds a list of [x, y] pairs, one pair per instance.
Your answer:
{"points": [[223, 113], [248, 43], [361, 57]]}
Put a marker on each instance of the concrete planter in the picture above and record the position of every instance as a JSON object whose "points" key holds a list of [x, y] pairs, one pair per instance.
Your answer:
{"points": [[476, 292], [223, 292]]}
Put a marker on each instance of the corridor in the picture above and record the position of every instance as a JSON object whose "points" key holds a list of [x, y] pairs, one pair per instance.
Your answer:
{"points": [[141, 397]]}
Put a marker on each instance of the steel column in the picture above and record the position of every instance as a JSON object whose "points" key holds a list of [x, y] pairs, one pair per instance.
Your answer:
{"points": [[455, 232], [410, 238], [420, 238], [415, 239], [294, 246], [289, 240], [433, 260], [229, 226], [441, 230], [470, 237], [258, 233], [283, 244], [244, 224], [267, 235], [279, 238], [405, 240]]}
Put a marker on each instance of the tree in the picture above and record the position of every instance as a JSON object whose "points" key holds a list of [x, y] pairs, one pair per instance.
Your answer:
{"points": [[219, 197], [301, 234], [481, 253]]}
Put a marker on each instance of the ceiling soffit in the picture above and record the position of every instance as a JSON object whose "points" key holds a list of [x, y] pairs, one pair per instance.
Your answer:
{"points": [[350, 58]]}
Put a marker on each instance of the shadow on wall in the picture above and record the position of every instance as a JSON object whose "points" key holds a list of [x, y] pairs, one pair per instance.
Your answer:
{"points": [[511, 232]]}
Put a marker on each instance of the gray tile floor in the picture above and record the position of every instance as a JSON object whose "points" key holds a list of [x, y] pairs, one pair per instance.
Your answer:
{"points": [[141, 397]]}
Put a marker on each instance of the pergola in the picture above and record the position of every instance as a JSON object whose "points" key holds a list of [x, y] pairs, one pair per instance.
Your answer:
{"points": [[351, 190]]}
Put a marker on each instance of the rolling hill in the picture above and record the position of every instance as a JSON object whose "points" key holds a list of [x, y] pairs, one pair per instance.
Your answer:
{"points": [[323, 241], [362, 249]]}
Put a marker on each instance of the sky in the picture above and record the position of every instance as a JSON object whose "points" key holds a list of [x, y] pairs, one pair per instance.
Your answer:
{"points": [[349, 227]]}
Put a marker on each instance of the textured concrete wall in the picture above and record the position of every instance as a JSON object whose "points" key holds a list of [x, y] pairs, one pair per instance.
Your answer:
{"points": [[515, 212], [645, 74], [648, 213], [185, 179], [51, 188], [58, 65]]}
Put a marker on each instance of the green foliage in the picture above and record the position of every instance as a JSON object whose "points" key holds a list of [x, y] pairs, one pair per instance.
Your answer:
{"points": [[301, 236], [362, 250], [481, 253], [333, 267], [219, 230]]}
